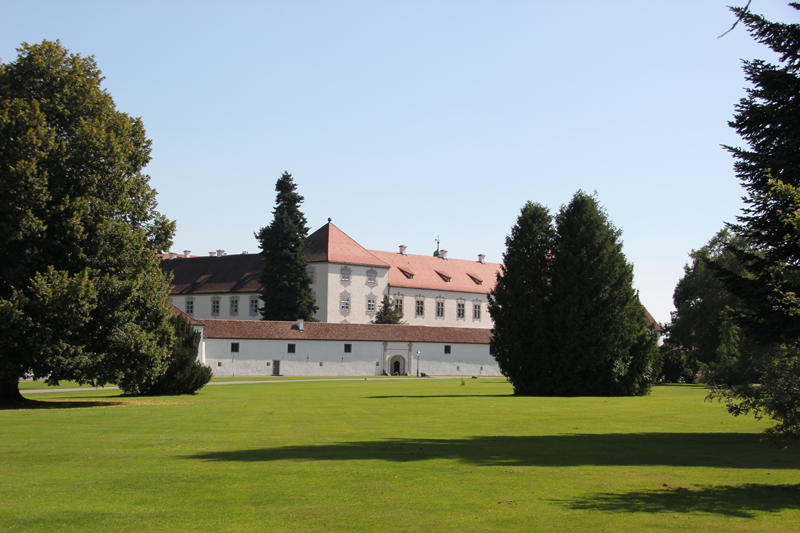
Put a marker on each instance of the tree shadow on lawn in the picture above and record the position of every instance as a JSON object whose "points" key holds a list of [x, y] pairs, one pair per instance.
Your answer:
{"points": [[722, 450], [76, 403], [442, 396], [742, 501]]}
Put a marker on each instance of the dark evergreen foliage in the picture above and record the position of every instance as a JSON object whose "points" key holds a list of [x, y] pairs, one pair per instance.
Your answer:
{"points": [[768, 120], [521, 340], [184, 373], [388, 313], [287, 293], [82, 296], [600, 332], [566, 318]]}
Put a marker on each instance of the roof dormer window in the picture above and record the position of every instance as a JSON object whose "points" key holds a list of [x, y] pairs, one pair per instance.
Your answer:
{"points": [[444, 275]]}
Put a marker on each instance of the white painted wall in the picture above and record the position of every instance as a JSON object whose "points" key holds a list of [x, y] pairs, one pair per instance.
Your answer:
{"points": [[202, 306], [367, 358]]}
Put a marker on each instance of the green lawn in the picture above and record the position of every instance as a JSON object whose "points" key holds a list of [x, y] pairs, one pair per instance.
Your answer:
{"points": [[383, 455]]}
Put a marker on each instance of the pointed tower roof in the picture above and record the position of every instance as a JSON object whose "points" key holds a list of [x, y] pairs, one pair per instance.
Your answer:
{"points": [[329, 244]]}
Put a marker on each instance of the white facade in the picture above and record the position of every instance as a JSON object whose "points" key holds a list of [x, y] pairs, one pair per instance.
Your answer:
{"points": [[222, 306], [261, 357], [351, 294]]}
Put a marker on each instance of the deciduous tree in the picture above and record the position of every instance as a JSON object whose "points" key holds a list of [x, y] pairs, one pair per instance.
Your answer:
{"points": [[287, 293], [703, 328], [82, 296]]}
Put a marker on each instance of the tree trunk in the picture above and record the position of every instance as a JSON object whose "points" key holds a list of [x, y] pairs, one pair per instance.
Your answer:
{"points": [[9, 390]]}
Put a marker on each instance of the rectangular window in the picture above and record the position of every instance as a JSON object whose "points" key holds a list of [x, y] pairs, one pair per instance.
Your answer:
{"points": [[439, 309], [461, 310], [290, 348], [370, 305], [234, 306], [348, 348], [215, 306], [420, 310], [398, 304], [447, 348], [345, 303], [254, 305], [345, 275], [234, 347], [190, 306], [476, 311]]}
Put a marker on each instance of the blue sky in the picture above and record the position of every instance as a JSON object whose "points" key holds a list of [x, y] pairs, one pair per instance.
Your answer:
{"points": [[404, 121]]}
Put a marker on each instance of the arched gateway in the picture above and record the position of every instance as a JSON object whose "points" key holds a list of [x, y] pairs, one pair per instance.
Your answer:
{"points": [[397, 365]]}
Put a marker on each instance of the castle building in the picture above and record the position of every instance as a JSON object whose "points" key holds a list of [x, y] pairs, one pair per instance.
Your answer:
{"points": [[349, 284]]}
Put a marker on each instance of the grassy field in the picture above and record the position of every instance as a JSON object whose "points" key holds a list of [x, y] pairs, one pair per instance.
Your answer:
{"points": [[384, 455]]}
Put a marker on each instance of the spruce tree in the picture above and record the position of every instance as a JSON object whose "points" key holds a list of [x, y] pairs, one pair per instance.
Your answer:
{"points": [[388, 313], [184, 373], [519, 304], [287, 293], [601, 341], [768, 120]]}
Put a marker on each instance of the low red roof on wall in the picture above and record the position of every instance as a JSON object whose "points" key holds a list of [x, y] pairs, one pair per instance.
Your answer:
{"points": [[320, 331]]}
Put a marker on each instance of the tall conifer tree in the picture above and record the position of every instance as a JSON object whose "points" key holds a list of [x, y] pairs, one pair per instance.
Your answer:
{"points": [[287, 293], [519, 303], [566, 318], [603, 344], [768, 120]]}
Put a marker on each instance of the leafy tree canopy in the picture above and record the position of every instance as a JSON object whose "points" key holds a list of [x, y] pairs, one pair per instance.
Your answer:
{"points": [[287, 293], [81, 293], [703, 329]]}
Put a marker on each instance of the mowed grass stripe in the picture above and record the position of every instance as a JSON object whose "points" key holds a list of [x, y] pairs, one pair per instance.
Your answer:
{"points": [[408, 455]]}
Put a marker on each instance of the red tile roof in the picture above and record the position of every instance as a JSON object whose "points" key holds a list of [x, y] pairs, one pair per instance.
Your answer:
{"points": [[214, 275], [177, 312], [329, 244], [318, 331], [429, 272]]}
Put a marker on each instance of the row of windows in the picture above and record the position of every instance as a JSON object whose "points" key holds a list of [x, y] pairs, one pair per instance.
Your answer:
{"points": [[345, 274], [292, 348], [215, 305], [348, 348], [461, 309], [419, 308]]}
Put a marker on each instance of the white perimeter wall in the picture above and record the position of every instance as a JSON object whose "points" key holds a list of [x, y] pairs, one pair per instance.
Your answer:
{"points": [[368, 358]]}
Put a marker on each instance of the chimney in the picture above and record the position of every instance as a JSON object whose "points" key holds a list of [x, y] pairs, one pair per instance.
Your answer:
{"points": [[481, 257], [300, 324], [173, 255], [403, 249], [245, 252], [186, 254], [443, 254], [220, 253], [212, 254]]}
